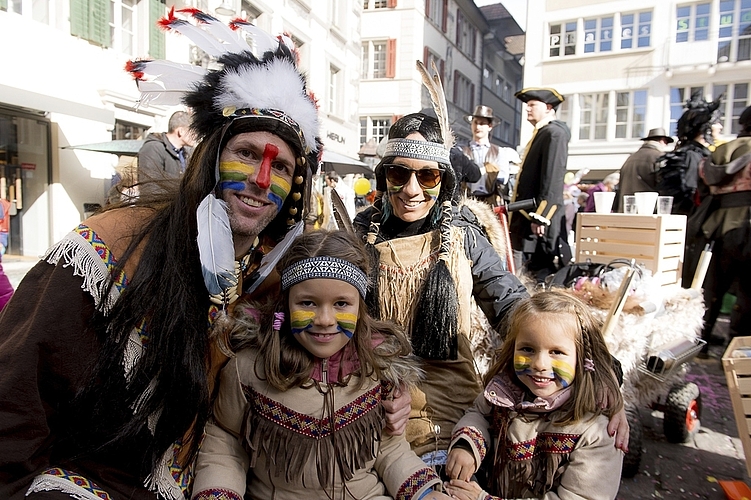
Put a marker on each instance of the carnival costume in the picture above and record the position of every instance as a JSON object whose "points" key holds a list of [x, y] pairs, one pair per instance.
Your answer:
{"points": [[60, 320], [427, 273], [539, 458]]}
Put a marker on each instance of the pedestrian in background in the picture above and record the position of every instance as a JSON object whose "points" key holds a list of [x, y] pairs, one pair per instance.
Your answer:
{"points": [[638, 173], [165, 155]]}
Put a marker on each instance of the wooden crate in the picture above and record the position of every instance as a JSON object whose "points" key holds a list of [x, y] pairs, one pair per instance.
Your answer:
{"points": [[738, 374], [656, 241]]}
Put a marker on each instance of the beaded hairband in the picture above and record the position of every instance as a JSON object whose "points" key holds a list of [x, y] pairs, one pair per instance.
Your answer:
{"points": [[327, 268], [418, 150]]}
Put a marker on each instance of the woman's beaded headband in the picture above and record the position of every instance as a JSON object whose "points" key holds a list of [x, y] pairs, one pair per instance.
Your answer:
{"points": [[419, 150], [327, 268]]}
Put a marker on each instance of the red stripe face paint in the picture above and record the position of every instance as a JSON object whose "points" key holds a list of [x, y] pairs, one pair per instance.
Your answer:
{"points": [[270, 153]]}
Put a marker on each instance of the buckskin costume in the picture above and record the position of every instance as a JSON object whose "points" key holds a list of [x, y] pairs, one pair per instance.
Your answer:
{"points": [[108, 362], [543, 459], [427, 273]]}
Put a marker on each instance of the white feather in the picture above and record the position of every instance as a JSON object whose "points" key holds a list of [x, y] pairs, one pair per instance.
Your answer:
{"points": [[165, 83], [276, 85], [215, 245], [230, 39], [263, 41], [205, 40]]}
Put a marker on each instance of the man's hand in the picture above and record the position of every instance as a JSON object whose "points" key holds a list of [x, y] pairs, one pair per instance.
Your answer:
{"points": [[538, 229], [460, 464], [464, 490], [397, 411]]}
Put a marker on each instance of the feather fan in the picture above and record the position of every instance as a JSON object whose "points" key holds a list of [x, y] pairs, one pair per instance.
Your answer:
{"points": [[202, 38], [164, 82], [232, 42], [263, 41], [215, 245], [438, 98]]}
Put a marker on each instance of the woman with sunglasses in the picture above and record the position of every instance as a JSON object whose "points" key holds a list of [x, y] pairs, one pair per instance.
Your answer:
{"points": [[433, 255]]}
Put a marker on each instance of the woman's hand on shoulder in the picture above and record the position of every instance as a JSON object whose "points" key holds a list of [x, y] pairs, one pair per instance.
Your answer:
{"points": [[397, 411], [464, 490]]}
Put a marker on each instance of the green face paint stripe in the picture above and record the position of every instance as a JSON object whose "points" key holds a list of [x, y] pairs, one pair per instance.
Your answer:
{"points": [[281, 183], [279, 191], [232, 176], [564, 370]]}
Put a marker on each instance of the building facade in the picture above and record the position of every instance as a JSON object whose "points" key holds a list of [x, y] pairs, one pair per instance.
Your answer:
{"points": [[452, 34], [628, 66], [64, 85]]}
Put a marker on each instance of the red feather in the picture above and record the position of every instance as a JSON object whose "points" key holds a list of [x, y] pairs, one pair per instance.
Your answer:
{"points": [[135, 68], [234, 24], [166, 22]]}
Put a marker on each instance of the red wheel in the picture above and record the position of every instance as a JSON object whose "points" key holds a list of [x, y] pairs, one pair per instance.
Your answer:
{"points": [[692, 416], [682, 412]]}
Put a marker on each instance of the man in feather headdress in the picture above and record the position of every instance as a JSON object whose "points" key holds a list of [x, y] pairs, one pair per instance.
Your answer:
{"points": [[109, 348]]}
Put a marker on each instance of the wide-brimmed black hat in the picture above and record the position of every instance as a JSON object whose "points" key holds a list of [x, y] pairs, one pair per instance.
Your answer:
{"points": [[483, 112], [546, 95], [656, 134]]}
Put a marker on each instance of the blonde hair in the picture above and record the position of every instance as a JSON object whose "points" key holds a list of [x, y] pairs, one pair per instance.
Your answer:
{"points": [[589, 387]]}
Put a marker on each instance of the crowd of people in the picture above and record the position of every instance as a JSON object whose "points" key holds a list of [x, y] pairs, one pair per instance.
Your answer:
{"points": [[205, 340]]}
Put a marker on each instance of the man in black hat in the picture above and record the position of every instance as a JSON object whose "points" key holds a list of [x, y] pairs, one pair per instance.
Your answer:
{"points": [[492, 160], [534, 235], [638, 173]]}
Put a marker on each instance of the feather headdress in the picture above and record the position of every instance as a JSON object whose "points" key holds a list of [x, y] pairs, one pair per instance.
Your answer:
{"points": [[253, 84], [438, 98]]}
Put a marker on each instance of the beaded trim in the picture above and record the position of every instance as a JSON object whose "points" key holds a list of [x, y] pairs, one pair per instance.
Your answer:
{"points": [[275, 114], [328, 268], [419, 150]]}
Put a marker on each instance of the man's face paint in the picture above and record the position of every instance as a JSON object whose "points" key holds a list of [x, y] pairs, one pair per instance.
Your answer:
{"points": [[270, 152], [299, 321], [346, 323], [234, 174], [563, 371], [280, 188]]}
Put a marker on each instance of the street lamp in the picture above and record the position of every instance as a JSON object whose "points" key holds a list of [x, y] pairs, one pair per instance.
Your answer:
{"points": [[227, 8]]}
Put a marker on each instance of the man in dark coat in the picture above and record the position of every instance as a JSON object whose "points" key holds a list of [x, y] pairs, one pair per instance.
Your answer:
{"points": [[165, 155], [638, 172], [535, 235]]}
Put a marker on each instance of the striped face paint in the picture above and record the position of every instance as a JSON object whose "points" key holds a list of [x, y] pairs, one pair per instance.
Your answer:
{"points": [[234, 174], [299, 321], [280, 188], [346, 323], [522, 364], [563, 371], [432, 192]]}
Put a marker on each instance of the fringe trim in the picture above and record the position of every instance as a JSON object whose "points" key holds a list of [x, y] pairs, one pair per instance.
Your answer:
{"points": [[46, 482], [75, 251], [161, 482], [533, 477], [398, 287], [290, 454]]}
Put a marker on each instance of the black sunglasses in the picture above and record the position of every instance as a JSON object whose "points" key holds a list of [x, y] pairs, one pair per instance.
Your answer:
{"points": [[399, 175]]}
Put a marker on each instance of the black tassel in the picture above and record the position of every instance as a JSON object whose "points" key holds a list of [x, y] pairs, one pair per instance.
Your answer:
{"points": [[371, 299], [436, 325]]}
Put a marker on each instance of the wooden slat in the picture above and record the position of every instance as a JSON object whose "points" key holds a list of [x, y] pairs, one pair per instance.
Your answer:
{"points": [[744, 386]]}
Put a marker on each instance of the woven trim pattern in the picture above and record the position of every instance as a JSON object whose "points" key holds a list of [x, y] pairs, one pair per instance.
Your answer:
{"points": [[417, 481], [475, 436], [419, 150], [325, 267], [309, 426], [217, 494], [546, 442], [68, 482]]}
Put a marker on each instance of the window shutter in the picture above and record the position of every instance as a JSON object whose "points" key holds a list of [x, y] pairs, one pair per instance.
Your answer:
{"points": [[156, 35], [442, 68], [444, 21], [471, 100], [391, 58], [99, 22], [426, 57], [3, 4], [79, 18], [391, 4], [456, 86]]}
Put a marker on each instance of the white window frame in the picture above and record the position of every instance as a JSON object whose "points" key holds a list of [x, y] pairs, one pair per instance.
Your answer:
{"points": [[729, 35], [633, 123], [375, 60], [595, 107], [119, 35], [600, 35], [689, 24], [334, 90], [464, 97], [737, 98], [374, 127]]}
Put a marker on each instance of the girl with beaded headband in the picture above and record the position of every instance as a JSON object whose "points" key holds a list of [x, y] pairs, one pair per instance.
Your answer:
{"points": [[539, 415], [300, 403]]}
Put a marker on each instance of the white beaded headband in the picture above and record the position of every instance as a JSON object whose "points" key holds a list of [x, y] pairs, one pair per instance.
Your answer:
{"points": [[419, 150], [327, 268]]}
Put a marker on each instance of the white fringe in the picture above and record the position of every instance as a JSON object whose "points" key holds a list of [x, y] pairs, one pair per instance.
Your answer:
{"points": [[160, 480], [46, 482], [75, 251]]}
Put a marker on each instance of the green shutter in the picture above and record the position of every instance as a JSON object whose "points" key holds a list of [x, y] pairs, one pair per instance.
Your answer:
{"points": [[3, 4], [99, 22], [79, 18], [156, 35]]}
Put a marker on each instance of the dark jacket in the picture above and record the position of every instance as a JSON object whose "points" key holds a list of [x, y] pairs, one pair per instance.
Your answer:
{"points": [[541, 177], [158, 159], [638, 172]]}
